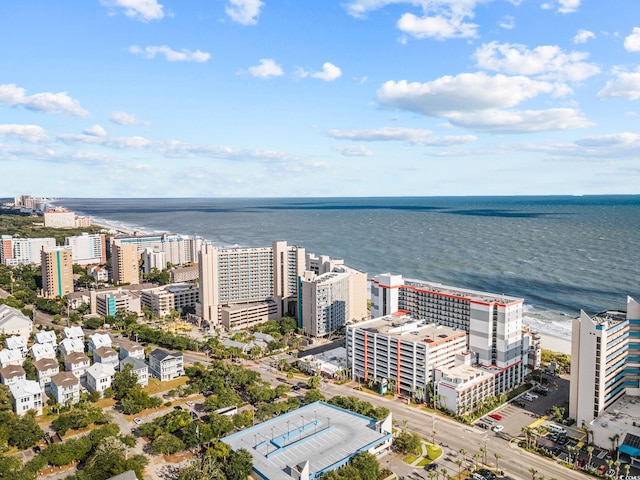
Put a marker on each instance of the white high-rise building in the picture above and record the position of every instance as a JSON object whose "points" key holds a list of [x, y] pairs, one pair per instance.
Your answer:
{"points": [[247, 276], [178, 249], [23, 251], [605, 361], [152, 258], [87, 249], [328, 301], [493, 322]]}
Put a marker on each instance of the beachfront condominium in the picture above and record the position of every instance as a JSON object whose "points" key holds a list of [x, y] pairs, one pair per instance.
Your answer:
{"points": [[492, 321], [605, 361], [243, 278], [326, 302], [178, 249], [23, 251], [57, 271], [125, 263], [87, 249]]}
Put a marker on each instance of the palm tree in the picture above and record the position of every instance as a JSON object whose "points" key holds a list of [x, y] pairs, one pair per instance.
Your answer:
{"points": [[617, 465], [590, 453], [533, 473], [476, 457], [484, 454], [463, 452], [528, 433], [459, 463], [627, 468], [444, 473], [498, 457]]}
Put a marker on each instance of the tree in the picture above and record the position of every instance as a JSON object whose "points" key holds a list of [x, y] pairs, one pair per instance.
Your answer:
{"points": [[368, 466], [313, 395], [314, 382], [239, 465], [107, 460], [407, 442], [498, 457], [204, 467], [26, 432], [533, 473], [124, 381], [167, 444]]}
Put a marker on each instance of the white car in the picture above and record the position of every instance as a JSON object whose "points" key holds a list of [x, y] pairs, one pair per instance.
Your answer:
{"points": [[498, 428], [190, 403], [137, 421]]}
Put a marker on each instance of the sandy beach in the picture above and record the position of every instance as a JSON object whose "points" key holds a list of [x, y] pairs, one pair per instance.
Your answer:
{"points": [[555, 344]]}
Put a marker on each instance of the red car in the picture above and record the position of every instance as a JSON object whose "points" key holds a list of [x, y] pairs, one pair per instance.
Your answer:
{"points": [[496, 416]]}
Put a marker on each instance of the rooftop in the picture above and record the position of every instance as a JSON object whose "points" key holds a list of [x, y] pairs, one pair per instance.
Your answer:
{"points": [[408, 328], [473, 295], [319, 433]]}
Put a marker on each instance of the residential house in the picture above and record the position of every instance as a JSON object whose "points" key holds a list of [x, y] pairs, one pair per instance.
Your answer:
{"points": [[45, 369], [139, 369], [42, 350], [77, 363], [27, 395], [73, 332], [65, 388], [47, 336], [12, 374], [10, 357], [99, 377], [106, 355], [130, 349], [17, 342], [70, 345], [98, 340], [14, 322], [165, 365]]}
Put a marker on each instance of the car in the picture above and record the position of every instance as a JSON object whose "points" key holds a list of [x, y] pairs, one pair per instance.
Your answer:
{"points": [[177, 407], [602, 469], [520, 403], [431, 466], [37, 449], [137, 421], [207, 393], [498, 428], [487, 474], [190, 403], [496, 416], [488, 420], [194, 415], [295, 387], [483, 425]]}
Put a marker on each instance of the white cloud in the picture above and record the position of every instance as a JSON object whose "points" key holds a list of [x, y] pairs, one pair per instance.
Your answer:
{"points": [[527, 121], [611, 140], [124, 118], [95, 130], [464, 92], [143, 10], [353, 151], [508, 22], [632, 42], [414, 136], [583, 36], [25, 133], [120, 143], [568, 6], [46, 102], [545, 61], [244, 12], [267, 68], [439, 27], [329, 72], [625, 85], [171, 55]]}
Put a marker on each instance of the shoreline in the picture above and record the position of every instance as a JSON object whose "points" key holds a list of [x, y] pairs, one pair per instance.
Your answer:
{"points": [[555, 344]]}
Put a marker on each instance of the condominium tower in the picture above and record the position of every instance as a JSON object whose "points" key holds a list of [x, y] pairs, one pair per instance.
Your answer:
{"points": [[57, 271], [87, 249], [124, 263], [240, 279], [605, 360]]}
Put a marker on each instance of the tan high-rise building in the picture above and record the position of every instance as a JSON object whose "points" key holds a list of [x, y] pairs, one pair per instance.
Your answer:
{"points": [[237, 277], [57, 271], [125, 266]]}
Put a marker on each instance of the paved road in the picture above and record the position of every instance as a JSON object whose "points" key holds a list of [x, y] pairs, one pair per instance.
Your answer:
{"points": [[453, 436]]}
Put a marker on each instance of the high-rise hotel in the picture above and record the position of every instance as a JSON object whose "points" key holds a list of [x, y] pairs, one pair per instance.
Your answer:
{"points": [[240, 287], [605, 361]]}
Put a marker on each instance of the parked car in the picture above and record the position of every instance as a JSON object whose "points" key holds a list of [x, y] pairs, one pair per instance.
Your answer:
{"points": [[190, 403], [137, 421], [194, 415], [498, 428], [520, 403], [602, 469], [488, 420], [496, 416], [177, 407], [431, 466], [483, 425]]}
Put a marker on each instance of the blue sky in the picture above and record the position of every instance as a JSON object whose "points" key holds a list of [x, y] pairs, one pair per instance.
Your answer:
{"points": [[255, 98]]}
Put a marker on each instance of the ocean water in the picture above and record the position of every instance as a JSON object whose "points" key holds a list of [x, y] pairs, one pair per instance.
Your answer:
{"points": [[561, 254]]}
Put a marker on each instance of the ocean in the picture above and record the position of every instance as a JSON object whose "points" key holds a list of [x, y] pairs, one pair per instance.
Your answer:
{"points": [[560, 253]]}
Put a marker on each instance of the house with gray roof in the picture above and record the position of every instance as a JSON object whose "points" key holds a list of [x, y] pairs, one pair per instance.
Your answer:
{"points": [[139, 369], [165, 365]]}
